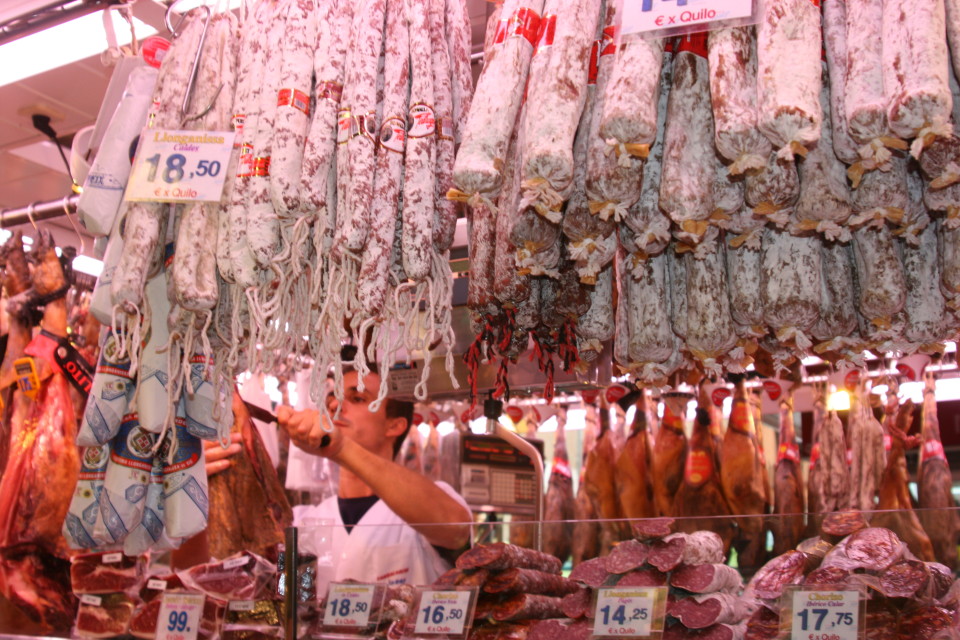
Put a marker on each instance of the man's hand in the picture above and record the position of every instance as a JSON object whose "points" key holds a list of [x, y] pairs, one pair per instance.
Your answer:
{"points": [[306, 430], [219, 459]]}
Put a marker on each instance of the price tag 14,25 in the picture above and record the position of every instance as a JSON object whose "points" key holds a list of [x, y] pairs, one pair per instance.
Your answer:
{"points": [[351, 605], [179, 617], [629, 612], [447, 612], [825, 613], [180, 166]]}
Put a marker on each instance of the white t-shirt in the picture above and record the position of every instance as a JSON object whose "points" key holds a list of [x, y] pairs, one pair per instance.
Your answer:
{"points": [[380, 548]]}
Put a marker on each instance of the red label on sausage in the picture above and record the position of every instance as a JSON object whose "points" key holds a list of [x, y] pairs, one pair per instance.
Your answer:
{"points": [[239, 119], [774, 390], [699, 468], [154, 49], [525, 23], [329, 91], [245, 162], [814, 454], [788, 452], [548, 29], [887, 442], [907, 372], [594, 67], [849, 457], [514, 413], [851, 380], [344, 126], [294, 98], [615, 392], [261, 166], [563, 468], [932, 449], [695, 43], [590, 395], [445, 128]]}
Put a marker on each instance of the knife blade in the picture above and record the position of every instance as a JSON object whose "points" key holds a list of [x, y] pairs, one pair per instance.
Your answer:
{"points": [[259, 413]]}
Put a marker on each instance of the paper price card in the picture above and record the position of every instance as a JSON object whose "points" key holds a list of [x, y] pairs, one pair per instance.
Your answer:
{"points": [[660, 18], [180, 166], [446, 612], [179, 617], [629, 612], [822, 614], [351, 605]]}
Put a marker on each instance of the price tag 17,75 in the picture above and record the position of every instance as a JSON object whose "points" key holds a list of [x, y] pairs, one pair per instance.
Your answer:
{"points": [[349, 606], [179, 617], [446, 612], [180, 166], [629, 612], [825, 613]]}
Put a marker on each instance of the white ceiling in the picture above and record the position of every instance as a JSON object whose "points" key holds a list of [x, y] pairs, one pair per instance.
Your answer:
{"points": [[71, 96]]}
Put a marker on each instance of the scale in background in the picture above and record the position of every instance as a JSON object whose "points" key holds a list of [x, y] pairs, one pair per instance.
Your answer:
{"points": [[495, 477]]}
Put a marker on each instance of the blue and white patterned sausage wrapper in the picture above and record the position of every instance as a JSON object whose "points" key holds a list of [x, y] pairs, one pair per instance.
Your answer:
{"points": [[127, 478], [184, 483], [200, 401], [151, 533], [84, 512], [109, 396], [152, 398]]}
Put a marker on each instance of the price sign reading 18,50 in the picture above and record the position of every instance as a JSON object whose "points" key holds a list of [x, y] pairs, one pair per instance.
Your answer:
{"points": [[630, 612], [180, 166], [825, 615], [349, 605]]}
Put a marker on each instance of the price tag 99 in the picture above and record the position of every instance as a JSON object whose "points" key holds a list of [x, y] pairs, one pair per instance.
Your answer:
{"points": [[629, 612], [823, 614], [179, 617], [180, 166], [349, 605], [446, 612]]}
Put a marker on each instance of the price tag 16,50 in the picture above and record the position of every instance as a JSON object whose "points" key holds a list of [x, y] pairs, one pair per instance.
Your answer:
{"points": [[351, 605], [179, 617], [629, 612], [825, 613], [180, 166], [447, 612]]}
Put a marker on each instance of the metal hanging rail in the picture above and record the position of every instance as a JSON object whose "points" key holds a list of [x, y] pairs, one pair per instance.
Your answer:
{"points": [[38, 211]]}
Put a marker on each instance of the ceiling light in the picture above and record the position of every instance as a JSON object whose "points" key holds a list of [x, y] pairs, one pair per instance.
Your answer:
{"points": [[63, 44]]}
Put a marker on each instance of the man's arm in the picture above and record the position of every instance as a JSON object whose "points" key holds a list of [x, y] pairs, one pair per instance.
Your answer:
{"points": [[415, 498]]}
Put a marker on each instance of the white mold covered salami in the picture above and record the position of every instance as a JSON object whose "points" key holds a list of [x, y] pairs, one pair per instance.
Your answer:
{"points": [[824, 203], [555, 103], [838, 315], [373, 281], [647, 310], [732, 53], [773, 190], [915, 64], [882, 196], [496, 102], [445, 213], [356, 154], [686, 192], [419, 179], [328, 67], [457, 25], [743, 286], [835, 47], [925, 306], [293, 106], [788, 75], [880, 278], [597, 325], [677, 285], [865, 100], [630, 104], [791, 285], [710, 332]]}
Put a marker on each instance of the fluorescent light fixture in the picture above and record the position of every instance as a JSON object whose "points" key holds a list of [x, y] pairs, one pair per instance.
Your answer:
{"points": [[63, 44]]}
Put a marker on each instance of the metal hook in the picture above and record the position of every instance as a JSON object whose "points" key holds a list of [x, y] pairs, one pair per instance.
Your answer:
{"points": [[206, 110], [30, 210], [73, 222]]}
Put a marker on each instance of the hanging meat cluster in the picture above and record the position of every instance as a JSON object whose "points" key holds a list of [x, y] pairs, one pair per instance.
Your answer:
{"points": [[333, 226], [44, 376], [779, 190]]}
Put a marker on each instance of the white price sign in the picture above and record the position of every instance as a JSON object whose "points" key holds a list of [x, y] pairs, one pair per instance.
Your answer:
{"points": [[825, 615], [180, 166], [180, 615], [669, 17], [629, 612], [443, 612], [348, 605]]}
